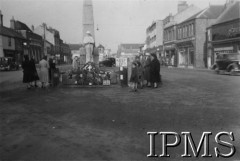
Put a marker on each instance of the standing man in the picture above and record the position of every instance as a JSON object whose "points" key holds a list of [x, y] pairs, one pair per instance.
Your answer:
{"points": [[88, 44]]}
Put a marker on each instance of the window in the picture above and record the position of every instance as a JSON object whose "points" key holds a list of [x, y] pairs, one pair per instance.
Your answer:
{"points": [[173, 33], [180, 33], [184, 32], [192, 29], [9, 41]]}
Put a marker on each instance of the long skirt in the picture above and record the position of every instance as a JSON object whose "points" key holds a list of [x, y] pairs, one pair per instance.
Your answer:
{"points": [[44, 76], [27, 76]]}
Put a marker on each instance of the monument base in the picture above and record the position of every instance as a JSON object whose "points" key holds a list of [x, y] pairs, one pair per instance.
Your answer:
{"points": [[88, 75]]}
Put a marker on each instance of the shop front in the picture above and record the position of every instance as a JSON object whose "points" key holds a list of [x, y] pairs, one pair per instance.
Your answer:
{"points": [[225, 38], [186, 54], [170, 55]]}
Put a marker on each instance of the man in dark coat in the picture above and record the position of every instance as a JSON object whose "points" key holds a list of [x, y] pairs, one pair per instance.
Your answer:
{"points": [[52, 67], [154, 71]]}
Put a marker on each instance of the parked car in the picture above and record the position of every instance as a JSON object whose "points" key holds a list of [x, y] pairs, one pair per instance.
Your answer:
{"points": [[8, 63], [109, 62], [227, 63]]}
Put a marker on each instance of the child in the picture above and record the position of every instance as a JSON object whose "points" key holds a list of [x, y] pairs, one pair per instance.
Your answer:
{"points": [[134, 77], [140, 74]]}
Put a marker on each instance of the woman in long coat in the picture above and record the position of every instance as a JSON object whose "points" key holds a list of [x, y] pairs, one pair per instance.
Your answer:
{"points": [[44, 75], [154, 71], [34, 72], [147, 70], [27, 71]]}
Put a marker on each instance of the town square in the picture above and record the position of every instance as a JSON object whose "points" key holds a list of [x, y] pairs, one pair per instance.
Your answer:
{"points": [[120, 80]]}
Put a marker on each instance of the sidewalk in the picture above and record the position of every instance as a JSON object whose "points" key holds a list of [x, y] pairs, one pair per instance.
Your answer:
{"points": [[191, 69]]}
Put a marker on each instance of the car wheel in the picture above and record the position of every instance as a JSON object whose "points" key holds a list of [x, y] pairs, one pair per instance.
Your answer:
{"points": [[217, 70], [232, 72]]}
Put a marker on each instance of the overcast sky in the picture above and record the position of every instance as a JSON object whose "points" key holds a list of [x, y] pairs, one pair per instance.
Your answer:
{"points": [[119, 21]]}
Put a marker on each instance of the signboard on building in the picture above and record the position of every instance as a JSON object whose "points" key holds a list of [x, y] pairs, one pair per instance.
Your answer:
{"points": [[121, 62]]}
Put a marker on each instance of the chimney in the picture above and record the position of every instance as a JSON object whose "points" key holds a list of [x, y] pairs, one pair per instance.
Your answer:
{"points": [[182, 5], [32, 28], [12, 23], [1, 18]]}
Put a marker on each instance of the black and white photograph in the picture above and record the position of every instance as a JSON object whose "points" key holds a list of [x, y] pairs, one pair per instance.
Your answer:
{"points": [[119, 80]]}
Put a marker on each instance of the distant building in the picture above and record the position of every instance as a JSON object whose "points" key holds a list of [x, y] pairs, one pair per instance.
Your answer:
{"points": [[48, 37], [101, 52], [170, 30], [66, 52], [107, 53], [154, 38], [191, 37], [34, 41], [11, 42], [75, 49]]}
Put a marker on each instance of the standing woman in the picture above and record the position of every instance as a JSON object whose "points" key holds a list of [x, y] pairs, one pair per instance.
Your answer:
{"points": [[27, 71], [147, 70], [154, 71], [34, 72], [44, 75]]}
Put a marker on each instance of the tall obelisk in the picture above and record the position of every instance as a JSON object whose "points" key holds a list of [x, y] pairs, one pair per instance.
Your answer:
{"points": [[88, 21]]}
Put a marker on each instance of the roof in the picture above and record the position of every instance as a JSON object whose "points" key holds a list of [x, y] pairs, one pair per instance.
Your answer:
{"points": [[131, 46], [212, 12], [75, 46], [232, 12], [21, 26], [182, 16], [10, 32]]}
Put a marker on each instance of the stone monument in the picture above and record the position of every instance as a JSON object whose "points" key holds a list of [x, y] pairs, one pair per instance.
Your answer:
{"points": [[88, 27], [87, 20]]}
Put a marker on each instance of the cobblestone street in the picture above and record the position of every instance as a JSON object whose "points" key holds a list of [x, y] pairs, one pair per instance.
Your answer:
{"points": [[112, 123]]}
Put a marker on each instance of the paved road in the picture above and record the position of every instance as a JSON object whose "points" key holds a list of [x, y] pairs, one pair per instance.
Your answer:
{"points": [[112, 123]]}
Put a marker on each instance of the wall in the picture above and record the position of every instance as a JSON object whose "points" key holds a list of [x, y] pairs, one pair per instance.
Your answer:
{"points": [[159, 31], [200, 32], [5, 43], [1, 46]]}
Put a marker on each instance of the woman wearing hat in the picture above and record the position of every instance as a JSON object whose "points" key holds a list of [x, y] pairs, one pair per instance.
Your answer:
{"points": [[154, 71], [147, 69]]}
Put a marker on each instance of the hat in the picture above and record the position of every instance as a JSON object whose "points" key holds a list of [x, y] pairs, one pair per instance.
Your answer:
{"points": [[88, 32]]}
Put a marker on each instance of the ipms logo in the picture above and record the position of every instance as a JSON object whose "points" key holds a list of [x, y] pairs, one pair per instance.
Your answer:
{"points": [[190, 144]]}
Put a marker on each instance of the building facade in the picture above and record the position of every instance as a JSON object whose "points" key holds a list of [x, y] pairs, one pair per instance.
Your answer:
{"points": [[170, 31], [154, 38], [34, 42], [224, 35], [12, 43], [191, 37], [48, 37]]}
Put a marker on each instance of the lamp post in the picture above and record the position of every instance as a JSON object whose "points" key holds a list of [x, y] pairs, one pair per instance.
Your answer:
{"points": [[25, 48], [158, 53]]}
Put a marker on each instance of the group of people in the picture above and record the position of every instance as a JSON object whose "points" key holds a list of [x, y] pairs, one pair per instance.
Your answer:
{"points": [[30, 74], [145, 72]]}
